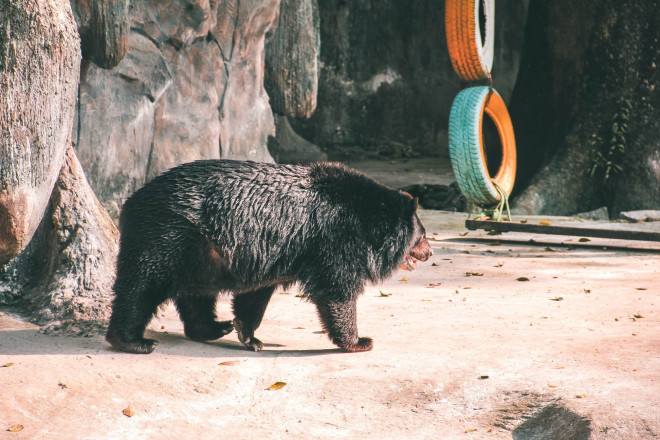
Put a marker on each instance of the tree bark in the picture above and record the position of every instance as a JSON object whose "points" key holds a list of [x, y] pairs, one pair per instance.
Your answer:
{"points": [[39, 70], [586, 108]]}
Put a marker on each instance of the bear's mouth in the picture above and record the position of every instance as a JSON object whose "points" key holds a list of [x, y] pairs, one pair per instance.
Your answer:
{"points": [[410, 263]]}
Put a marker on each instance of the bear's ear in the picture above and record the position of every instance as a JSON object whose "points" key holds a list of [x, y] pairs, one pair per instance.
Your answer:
{"points": [[411, 206]]}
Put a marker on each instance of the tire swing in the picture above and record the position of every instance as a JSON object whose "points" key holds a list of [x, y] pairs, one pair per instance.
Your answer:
{"points": [[471, 52], [467, 149]]}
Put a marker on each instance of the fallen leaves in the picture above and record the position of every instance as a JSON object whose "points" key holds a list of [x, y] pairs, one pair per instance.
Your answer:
{"points": [[474, 274], [276, 386], [231, 363], [15, 428], [432, 285], [522, 279], [583, 240], [128, 412], [404, 279], [557, 298], [385, 293], [580, 396], [545, 223], [8, 364]]}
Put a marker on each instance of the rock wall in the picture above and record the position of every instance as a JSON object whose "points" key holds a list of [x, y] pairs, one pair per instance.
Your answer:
{"points": [[386, 82], [190, 87]]}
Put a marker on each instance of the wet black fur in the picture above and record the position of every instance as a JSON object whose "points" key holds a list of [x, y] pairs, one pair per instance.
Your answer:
{"points": [[244, 228]]}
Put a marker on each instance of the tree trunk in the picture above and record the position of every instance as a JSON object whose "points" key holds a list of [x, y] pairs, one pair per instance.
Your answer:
{"points": [[39, 70], [586, 108]]}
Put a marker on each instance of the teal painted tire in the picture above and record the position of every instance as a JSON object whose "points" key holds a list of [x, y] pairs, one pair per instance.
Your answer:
{"points": [[466, 145]]}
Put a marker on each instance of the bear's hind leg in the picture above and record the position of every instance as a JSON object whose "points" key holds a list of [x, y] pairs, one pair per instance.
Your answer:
{"points": [[249, 309], [199, 319], [131, 313], [340, 321]]}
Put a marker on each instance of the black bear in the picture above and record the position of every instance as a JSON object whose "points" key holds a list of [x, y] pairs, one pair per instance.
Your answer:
{"points": [[245, 228]]}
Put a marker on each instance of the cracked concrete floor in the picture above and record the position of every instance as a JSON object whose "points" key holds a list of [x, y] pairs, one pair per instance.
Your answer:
{"points": [[490, 331]]}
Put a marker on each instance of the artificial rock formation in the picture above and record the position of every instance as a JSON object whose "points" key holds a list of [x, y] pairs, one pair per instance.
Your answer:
{"points": [[190, 87], [63, 279], [39, 65]]}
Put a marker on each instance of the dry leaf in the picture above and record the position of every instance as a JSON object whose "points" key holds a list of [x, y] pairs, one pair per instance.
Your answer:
{"points": [[545, 223], [464, 234], [640, 288], [276, 386], [434, 264], [404, 279], [230, 363], [128, 412], [474, 274], [470, 430], [495, 243], [15, 428], [557, 298], [524, 220], [385, 294], [580, 396], [583, 240], [552, 386], [484, 377], [299, 328], [300, 295], [8, 364], [638, 316], [432, 285], [522, 279]]}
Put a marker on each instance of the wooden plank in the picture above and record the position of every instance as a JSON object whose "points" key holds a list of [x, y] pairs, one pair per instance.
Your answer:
{"points": [[623, 234]]}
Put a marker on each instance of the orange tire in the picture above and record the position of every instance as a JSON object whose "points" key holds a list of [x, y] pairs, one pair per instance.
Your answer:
{"points": [[471, 59]]}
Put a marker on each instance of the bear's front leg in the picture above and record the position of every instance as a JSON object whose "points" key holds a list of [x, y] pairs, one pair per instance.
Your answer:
{"points": [[249, 309], [340, 321]]}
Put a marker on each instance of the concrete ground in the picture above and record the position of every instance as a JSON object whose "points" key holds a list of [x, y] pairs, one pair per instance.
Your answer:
{"points": [[496, 337]]}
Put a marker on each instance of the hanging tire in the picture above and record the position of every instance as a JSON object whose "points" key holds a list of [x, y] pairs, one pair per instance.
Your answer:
{"points": [[466, 145], [471, 59]]}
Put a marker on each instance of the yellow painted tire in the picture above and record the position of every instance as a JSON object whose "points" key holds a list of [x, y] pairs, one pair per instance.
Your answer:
{"points": [[466, 145], [471, 59]]}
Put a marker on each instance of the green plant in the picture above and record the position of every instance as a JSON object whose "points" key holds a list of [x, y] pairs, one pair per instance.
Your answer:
{"points": [[609, 154]]}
